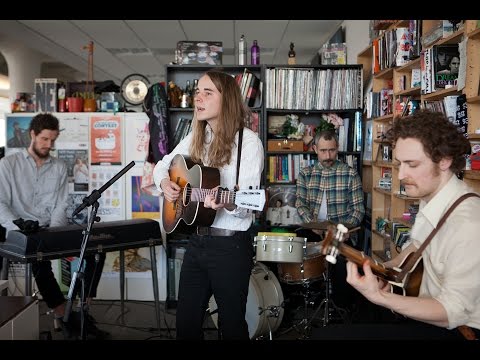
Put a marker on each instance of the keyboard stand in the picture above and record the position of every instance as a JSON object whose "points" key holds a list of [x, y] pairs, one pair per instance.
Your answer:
{"points": [[153, 262]]}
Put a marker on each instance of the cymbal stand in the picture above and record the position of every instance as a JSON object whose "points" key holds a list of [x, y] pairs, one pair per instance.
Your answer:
{"points": [[327, 303], [303, 325]]}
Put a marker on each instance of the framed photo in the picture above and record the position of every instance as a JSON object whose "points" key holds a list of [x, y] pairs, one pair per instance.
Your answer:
{"points": [[281, 209], [17, 130]]}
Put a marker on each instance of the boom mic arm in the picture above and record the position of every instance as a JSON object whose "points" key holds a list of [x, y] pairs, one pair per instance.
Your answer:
{"points": [[96, 194]]}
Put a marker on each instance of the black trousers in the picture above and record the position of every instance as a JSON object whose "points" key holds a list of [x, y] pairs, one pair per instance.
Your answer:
{"points": [[48, 285], [218, 265]]}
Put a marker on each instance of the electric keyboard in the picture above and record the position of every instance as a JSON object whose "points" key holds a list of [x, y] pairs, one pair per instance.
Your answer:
{"points": [[62, 241]]}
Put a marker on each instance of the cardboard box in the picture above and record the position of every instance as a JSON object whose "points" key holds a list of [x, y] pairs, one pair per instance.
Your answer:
{"points": [[285, 145], [199, 52]]}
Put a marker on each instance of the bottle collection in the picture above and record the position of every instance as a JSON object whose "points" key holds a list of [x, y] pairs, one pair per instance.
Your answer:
{"points": [[182, 97], [242, 52]]}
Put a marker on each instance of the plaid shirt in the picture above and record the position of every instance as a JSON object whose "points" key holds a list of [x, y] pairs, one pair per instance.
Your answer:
{"points": [[343, 188]]}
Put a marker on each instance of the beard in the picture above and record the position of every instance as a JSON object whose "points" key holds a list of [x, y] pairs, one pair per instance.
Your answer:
{"points": [[327, 163], [41, 153]]}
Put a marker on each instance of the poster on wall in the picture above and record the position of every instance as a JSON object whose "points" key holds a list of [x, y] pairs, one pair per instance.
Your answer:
{"points": [[17, 131], [112, 202], [137, 263], [140, 203], [137, 137], [74, 201], [73, 131], [106, 140], [77, 168]]}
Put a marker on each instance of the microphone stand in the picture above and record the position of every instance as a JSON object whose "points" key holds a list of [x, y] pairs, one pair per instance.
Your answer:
{"points": [[91, 200]]}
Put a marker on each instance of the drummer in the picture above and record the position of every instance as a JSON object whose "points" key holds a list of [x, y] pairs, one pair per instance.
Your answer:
{"points": [[330, 191]]}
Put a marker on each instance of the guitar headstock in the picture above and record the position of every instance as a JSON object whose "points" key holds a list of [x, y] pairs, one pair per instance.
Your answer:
{"points": [[332, 242], [250, 199]]}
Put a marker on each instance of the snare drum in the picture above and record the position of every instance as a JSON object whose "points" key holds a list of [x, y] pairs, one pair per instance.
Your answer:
{"points": [[280, 247], [312, 267], [264, 310]]}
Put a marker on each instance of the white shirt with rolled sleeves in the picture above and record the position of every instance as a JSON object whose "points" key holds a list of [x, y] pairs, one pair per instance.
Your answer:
{"points": [[251, 168], [452, 259]]}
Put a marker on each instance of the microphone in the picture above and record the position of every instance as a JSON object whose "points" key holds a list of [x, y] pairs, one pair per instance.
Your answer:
{"points": [[87, 201], [96, 194]]}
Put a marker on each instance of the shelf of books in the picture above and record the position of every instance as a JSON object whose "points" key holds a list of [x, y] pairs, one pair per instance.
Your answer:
{"points": [[440, 72]]}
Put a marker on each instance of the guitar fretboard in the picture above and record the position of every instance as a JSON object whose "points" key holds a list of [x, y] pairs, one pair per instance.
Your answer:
{"points": [[197, 194]]}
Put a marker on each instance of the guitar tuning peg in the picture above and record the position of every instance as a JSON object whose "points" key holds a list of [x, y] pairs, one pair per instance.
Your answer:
{"points": [[331, 259], [342, 228]]}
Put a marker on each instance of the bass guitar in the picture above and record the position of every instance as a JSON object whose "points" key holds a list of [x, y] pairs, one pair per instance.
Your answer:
{"points": [[196, 182], [406, 279]]}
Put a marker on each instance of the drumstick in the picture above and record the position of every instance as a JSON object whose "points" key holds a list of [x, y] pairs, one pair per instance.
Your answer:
{"points": [[354, 229]]}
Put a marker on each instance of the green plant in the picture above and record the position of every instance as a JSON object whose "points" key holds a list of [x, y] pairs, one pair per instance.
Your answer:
{"points": [[288, 128], [84, 94], [324, 125]]}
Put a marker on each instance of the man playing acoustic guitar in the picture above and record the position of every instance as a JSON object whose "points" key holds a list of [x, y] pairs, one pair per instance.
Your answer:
{"points": [[219, 258], [430, 151]]}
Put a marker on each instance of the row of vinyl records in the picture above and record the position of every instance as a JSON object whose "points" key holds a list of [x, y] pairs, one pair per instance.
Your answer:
{"points": [[285, 168], [313, 89]]}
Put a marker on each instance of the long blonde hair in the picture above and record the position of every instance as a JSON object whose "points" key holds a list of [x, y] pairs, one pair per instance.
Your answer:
{"points": [[231, 119]]}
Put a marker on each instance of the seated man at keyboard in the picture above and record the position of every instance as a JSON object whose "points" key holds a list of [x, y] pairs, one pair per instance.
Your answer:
{"points": [[33, 186]]}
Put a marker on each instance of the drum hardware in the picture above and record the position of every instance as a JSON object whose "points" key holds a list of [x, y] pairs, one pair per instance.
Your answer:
{"points": [[302, 326], [265, 303], [273, 311], [279, 247], [327, 303]]}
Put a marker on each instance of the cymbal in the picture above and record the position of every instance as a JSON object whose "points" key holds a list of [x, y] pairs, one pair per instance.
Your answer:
{"points": [[318, 225], [323, 225]]}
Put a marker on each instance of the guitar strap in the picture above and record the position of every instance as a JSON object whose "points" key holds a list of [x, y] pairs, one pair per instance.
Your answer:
{"points": [[413, 259], [239, 155]]}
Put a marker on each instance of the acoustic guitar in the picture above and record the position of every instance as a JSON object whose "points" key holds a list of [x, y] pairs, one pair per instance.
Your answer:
{"points": [[196, 182], [405, 280]]}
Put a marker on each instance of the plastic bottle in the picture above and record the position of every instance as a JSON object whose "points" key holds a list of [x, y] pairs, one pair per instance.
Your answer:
{"points": [[291, 55], [242, 51], [255, 53], [189, 92], [62, 102]]}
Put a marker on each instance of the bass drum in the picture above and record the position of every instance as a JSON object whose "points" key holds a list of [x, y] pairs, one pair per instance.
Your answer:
{"points": [[264, 303]]}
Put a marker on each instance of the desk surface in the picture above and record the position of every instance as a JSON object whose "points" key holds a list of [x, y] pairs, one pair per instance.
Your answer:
{"points": [[11, 306]]}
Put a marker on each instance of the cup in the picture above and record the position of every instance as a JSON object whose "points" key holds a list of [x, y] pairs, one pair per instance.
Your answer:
{"points": [[89, 105], [75, 104]]}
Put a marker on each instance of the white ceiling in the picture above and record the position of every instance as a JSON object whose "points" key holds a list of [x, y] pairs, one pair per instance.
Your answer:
{"points": [[124, 47]]}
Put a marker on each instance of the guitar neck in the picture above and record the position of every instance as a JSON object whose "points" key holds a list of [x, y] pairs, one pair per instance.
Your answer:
{"points": [[358, 257], [222, 196]]}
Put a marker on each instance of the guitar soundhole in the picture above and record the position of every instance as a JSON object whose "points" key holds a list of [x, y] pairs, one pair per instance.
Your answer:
{"points": [[187, 194]]}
